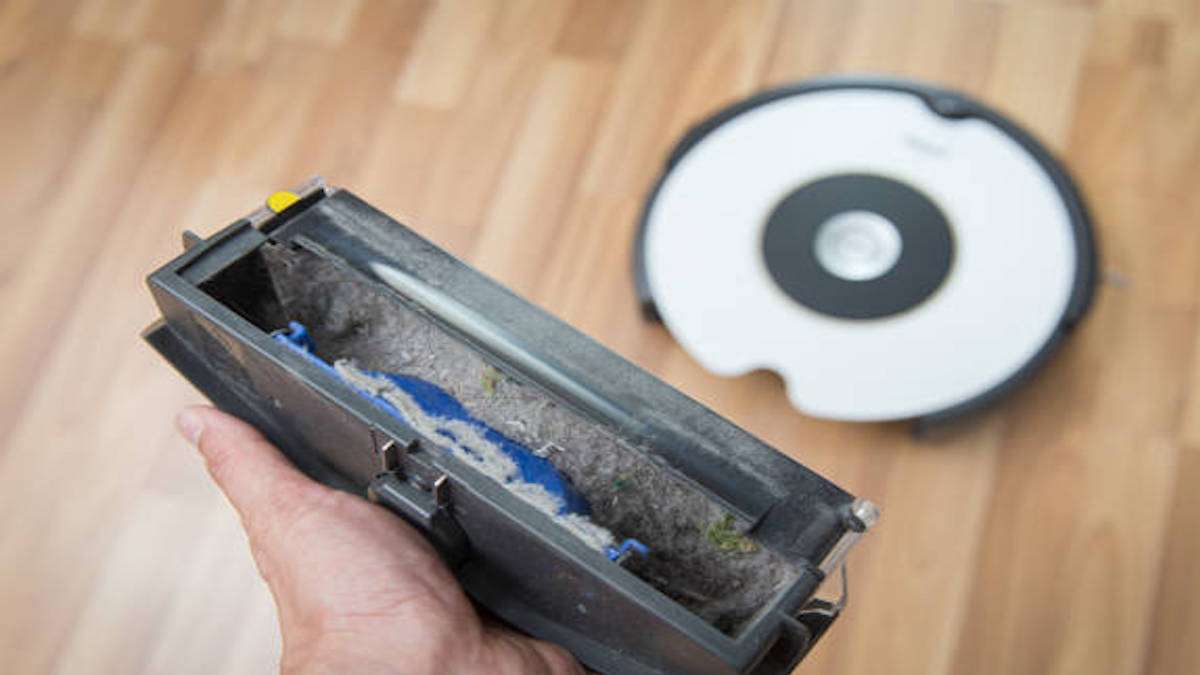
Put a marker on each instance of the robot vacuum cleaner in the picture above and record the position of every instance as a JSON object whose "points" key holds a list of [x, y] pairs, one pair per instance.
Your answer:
{"points": [[893, 250]]}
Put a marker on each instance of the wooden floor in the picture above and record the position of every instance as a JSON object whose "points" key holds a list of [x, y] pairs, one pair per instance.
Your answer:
{"points": [[1058, 533]]}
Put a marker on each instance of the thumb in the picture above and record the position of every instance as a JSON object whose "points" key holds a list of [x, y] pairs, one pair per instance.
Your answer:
{"points": [[261, 484]]}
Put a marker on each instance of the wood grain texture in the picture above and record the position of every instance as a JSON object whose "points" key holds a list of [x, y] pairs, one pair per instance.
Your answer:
{"points": [[1057, 533]]}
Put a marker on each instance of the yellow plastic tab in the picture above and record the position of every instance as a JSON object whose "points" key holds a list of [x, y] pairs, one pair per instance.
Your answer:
{"points": [[281, 200]]}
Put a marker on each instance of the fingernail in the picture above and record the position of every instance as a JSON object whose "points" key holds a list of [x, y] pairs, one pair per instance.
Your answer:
{"points": [[190, 425]]}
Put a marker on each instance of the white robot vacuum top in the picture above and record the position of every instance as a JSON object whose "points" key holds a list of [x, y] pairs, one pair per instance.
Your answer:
{"points": [[891, 249]]}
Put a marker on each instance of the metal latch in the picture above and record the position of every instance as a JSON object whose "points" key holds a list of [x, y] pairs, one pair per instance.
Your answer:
{"points": [[426, 508]]}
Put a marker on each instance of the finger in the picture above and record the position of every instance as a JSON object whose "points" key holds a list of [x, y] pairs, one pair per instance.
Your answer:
{"points": [[260, 483]]}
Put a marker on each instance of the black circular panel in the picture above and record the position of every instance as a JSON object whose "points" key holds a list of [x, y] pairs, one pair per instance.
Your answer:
{"points": [[927, 246]]}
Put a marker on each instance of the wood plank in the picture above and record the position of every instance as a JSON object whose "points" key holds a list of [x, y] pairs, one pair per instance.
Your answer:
{"points": [[1056, 533]]}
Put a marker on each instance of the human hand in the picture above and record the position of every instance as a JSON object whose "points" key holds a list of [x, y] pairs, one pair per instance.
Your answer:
{"points": [[357, 590]]}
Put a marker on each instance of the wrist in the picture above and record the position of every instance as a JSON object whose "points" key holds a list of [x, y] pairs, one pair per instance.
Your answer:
{"points": [[325, 656], [329, 652]]}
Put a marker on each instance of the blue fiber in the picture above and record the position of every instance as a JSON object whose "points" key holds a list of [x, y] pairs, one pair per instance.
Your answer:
{"points": [[440, 405], [619, 551]]}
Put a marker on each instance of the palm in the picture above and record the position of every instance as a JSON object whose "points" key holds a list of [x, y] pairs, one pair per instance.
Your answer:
{"points": [[357, 589]]}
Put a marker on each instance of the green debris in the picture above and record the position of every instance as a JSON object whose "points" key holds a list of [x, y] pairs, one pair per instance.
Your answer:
{"points": [[726, 538], [489, 378], [620, 483]]}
